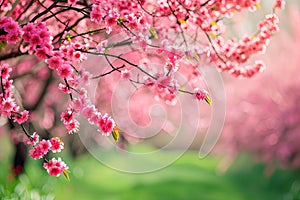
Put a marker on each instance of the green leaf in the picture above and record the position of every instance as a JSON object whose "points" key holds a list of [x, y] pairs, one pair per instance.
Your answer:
{"points": [[208, 99], [115, 133], [215, 8], [153, 32], [120, 20], [187, 56], [68, 37], [181, 21], [91, 32], [66, 174], [2, 45], [196, 56]]}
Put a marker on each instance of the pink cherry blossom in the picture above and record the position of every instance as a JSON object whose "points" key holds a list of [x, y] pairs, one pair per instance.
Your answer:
{"points": [[96, 14], [125, 74], [41, 149], [72, 126], [36, 153], [45, 146], [200, 94], [64, 70], [67, 116], [72, 2], [12, 32], [33, 140], [54, 62], [22, 117], [55, 167], [56, 145], [106, 124], [64, 88], [5, 70]]}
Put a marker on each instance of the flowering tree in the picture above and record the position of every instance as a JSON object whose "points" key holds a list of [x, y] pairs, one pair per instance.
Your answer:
{"points": [[44, 45], [267, 124]]}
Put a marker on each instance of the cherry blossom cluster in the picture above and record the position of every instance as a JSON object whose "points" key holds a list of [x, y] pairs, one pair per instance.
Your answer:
{"points": [[37, 38], [10, 109], [42, 148], [8, 106], [74, 85], [165, 88], [68, 118], [280, 4], [227, 55], [83, 105], [10, 31], [17, 9], [187, 15], [61, 61], [115, 15], [6, 6], [71, 51], [110, 12], [201, 94], [213, 8], [163, 83], [54, 167], [231, 54]]}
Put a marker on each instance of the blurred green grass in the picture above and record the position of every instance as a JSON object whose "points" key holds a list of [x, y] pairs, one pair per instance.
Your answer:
{"points": [[187, 178]]}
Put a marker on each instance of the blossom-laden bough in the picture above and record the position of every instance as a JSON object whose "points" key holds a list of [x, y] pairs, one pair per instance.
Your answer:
{"points": [[47, 40]]}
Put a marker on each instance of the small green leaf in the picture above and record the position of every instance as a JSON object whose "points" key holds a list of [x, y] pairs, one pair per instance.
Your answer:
{"points": [[68, 37], [66, 174], [153, 32], [187, 56], [2, 45], [215, 8], [196, 56], [208, 99], [120, 20], [213, 35], [181, 21], [115, 133], [91, 32]]}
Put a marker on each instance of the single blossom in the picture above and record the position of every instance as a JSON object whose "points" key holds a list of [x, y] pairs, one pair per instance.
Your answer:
{"points": [[22, 117], [56, 145], [106, 124], [200, 94], [40, 150], [33, 140], [125, 74]]}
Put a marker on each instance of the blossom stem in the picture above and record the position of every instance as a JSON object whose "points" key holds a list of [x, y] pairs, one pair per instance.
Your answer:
{"points": [[26, 132]]}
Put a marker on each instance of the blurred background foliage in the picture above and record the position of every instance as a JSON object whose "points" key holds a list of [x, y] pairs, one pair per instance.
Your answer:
{"points": [[187, 178]]}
